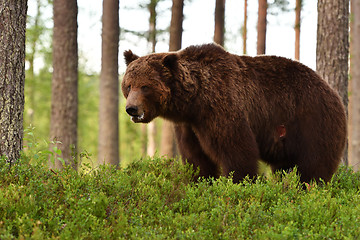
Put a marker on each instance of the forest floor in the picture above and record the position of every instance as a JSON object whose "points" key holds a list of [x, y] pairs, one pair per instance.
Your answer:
{"points": [[156, 199]]}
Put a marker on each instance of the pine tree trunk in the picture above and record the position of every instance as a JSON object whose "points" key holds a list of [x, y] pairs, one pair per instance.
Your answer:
{"points": [[167, 139], [168, 145], [219, 22], [354, 103], [176, 25], [261, 27], [12, 77], [297, 28], [64, 102], [109, 85], [152, 24], [332, 49], [151, 127], [245, 27]]}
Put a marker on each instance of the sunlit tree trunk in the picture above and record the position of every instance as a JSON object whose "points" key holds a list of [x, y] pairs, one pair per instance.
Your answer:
{"points": [[168, 145], [354, 87], [332, 49], [297, 28], [244, 33], [151, 127], [109, 85], [12, 77], [152, 24], [64, 102], [261, 27], [219, 22], [176, 25]]}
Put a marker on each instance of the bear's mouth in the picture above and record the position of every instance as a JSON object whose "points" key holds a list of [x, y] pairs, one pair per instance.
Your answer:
{"points": [[138, 118]]}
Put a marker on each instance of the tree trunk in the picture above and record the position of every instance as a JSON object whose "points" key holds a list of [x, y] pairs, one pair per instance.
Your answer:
{"points": [[261, 27], [152, 24], [219, 22], [151, 127], [297, 28], [176, 25], [12, 77], [168, 145], [64, 102], [167, 139], [354, 106], [109, 85], [245, 27], [332, 49], [143, 140]]}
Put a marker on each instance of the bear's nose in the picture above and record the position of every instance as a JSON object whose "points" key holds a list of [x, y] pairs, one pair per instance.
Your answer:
{"points": [[132, 110]]}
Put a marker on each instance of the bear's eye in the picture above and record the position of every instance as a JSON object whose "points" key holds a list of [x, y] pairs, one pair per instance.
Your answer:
{"points": [[144, 88], [128, 88]]}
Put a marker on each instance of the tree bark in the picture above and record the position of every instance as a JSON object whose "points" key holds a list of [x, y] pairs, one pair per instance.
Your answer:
{"points": [[332, 49], [176, 29], [219, 22], [297, 28], [354, 86], [168, 144], [12, 77], [152, 24], [261, 27], [109, 85], [151, 127], [245, 27], [64, 102]]}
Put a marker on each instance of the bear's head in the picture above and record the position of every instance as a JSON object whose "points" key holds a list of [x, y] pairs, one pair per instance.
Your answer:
{"points": [[146, 84]]}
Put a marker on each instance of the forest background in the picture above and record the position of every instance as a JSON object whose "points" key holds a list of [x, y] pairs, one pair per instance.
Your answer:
{"points": [[198, 28]]}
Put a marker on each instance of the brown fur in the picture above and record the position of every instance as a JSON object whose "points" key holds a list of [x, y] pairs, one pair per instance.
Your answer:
{"points": [[231, 111]]}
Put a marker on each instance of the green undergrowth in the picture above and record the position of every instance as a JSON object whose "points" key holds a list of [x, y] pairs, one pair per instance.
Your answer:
{"points": [[156, 199]]}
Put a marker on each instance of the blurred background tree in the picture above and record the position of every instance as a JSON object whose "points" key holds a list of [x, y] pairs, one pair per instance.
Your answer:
{"points": [[109, 85]]}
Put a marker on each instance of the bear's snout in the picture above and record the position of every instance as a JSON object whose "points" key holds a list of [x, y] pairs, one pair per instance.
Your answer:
{"points": [[132, 110], [134, 103], [136, 114]]}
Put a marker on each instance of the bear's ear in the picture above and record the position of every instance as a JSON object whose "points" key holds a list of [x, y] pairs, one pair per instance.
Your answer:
{"points": [[129, 57], [170, 61]]}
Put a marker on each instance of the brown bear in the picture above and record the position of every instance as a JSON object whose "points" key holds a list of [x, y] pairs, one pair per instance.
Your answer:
{"points": [[231, 111]]}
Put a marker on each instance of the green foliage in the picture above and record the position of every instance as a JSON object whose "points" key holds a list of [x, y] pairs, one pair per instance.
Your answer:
{"points": [[88, 113], [156, 199]]}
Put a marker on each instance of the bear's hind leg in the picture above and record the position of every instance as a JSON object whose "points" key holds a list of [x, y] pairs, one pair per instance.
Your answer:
{"points": [[313, 155], [240, 168], [192, 152], [317, 167]]}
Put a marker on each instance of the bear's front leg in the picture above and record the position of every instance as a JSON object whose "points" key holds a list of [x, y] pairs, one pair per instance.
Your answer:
{"points": [[232, 147], [192, 152]]}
